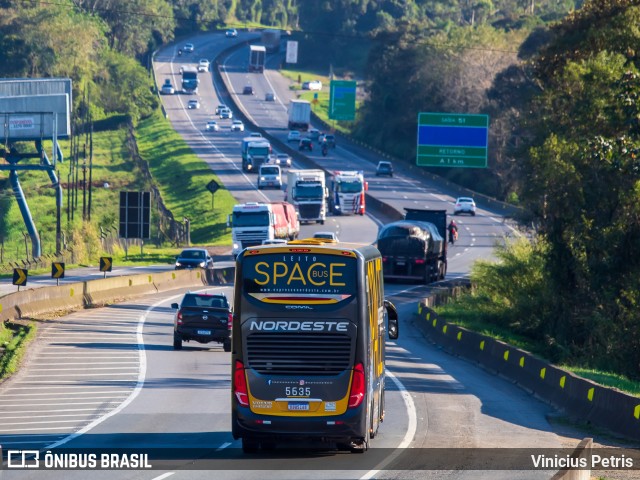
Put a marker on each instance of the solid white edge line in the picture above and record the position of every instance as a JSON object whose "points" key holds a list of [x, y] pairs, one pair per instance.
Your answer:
{"points": [[139, 384], [164, 475], [412, 426]]}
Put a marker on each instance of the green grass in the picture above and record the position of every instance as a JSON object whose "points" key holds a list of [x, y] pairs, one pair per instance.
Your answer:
{"points": [[15, 339], [179, 173], [457, 315], [182, 178]]}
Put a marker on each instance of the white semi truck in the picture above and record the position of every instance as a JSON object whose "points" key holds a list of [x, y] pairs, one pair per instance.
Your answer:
{"points": [[347, 192], [252, 223], [307, 191], [257, 57]]}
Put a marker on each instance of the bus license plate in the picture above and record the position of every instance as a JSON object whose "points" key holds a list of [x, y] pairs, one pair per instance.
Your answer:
{"points": [[204, 332], [298, 406]]}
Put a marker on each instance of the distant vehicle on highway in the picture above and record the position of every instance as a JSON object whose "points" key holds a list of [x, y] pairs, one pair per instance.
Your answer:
{"points": [[247, 90], [270, 97], [231, 33], [203, 65], [312, 85], [326, 236], [305, 144], [194, 258], [294, 136], [384, 168], [188, 48], [225, 113], [204, 318], [212, 126], [237, 126], [193, 104], [465, 205], [167, 88], [220, 107]]}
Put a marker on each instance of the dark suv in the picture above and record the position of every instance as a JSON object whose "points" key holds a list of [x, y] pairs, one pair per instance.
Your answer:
{"points": [[305, 144], [247, 90], [203, 318], [384, 168]]}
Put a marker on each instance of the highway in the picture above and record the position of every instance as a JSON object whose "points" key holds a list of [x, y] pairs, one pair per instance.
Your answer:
{"points": [[109, 378]]}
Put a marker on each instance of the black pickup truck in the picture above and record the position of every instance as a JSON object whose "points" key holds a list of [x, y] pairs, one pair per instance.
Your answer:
{"points": [[415, 248], [203, 318]]}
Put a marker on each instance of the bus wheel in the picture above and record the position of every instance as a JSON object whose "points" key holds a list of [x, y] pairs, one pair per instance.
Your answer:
{"points": [[360, 445], [250, 445], [177, 341]]}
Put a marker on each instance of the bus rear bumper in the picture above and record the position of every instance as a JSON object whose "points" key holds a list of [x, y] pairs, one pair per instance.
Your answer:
{"points": [[343, 428]]}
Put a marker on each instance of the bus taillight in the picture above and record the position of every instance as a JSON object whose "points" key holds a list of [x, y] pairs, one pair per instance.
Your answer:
{"points": [[240, 385], [357, 386]]}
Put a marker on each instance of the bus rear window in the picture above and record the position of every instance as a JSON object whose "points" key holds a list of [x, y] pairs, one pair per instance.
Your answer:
{"points": [[299, 274]]}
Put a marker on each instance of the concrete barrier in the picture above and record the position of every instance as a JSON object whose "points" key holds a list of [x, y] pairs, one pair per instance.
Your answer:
{"points": [[74, 296], [580, 398]]}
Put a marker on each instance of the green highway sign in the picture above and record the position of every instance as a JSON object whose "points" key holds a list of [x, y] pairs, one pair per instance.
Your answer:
{"points": [[342, 100], [452, 140]]}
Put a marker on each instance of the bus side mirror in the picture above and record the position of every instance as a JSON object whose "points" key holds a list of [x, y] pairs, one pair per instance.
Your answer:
{"points": [[392, 319]]}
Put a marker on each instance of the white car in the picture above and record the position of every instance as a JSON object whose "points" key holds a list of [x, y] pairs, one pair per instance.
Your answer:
{"points": [[274, 241], [167, 89], [312, 85], [212, 126], [465, 205], [188, 48], [294, 136], [203, 65], [225, 113], [193, 104], [237, 126], [326, 236], [220, 107], [269, 176]]}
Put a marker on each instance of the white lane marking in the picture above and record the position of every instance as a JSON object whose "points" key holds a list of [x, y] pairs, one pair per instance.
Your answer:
{"points": [[412, 427], [88, 392], [56, 411], [115, 400], [163, 476], [139, 384], [32, 429], [82, 363], [54, 415], [74, 369], [39, 422], [82, 375], [223, 446]]}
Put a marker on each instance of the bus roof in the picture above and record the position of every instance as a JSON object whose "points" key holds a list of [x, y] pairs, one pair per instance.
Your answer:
{"points": [[317, 245]]}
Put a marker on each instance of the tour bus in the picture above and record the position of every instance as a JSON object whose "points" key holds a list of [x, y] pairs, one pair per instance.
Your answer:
{"points": [[308, 345]]}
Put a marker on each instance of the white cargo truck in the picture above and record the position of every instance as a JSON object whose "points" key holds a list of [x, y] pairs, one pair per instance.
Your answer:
{"points": [[307, 191], [299, 115], [257, 56]]}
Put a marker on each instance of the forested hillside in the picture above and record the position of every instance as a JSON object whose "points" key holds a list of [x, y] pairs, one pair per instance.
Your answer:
{"points": [[560, 82]]}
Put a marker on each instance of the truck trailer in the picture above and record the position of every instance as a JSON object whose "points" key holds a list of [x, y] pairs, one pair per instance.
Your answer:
{"points": [[299, 115], [307, 191], [257, 57], [347, 192], [190, 80]]}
